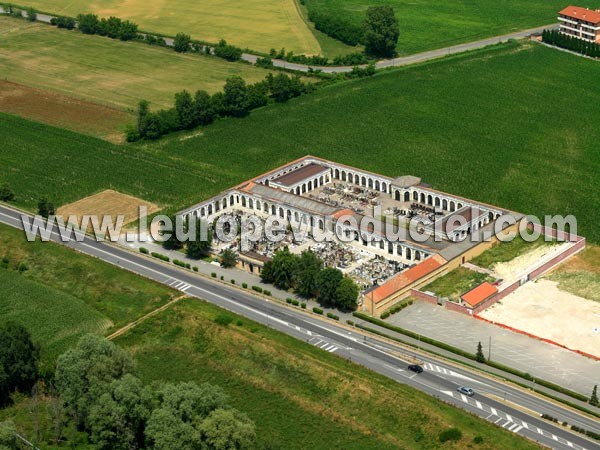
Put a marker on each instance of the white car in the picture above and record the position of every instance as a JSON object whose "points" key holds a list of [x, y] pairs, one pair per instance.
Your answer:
{"points": [[467, 391]]}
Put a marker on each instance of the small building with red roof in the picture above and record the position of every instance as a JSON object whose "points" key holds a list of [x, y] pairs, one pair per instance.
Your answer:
{"points": [[581, 23], [478, 295]]}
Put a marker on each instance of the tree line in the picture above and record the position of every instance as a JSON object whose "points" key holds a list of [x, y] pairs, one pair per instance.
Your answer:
{"points": [[554, 37], [236, 100], [379, 31], [307, 276], [95, 386]]}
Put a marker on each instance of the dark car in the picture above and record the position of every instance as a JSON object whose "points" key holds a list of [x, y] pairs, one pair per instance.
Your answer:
{"points": [[415, 368]]}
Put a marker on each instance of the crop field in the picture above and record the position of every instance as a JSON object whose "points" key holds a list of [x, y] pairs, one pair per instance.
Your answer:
{"points": [[63, 111], [55, 319], [119, 74], [266, 372], [428, 25], [76, 293], [522, 149], [255, 24]]}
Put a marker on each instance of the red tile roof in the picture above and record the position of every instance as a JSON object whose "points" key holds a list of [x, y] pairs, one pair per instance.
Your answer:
{"points": [[477, 295], [405, 278], [576, 12]]}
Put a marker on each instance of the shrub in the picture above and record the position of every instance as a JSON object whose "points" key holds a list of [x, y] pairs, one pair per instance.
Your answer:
{"points": [[303, 305], [232, 281], [159, 256], [257, 289], [188, 266], [295, 302], [333, 316], [410, 302], [477, 440], [144, 250], [317, 310], [31, 14], [22, 267], [228, 52], [223, 319], [385, 315], [63, 22], [349, 322], [181, 43], [214, 275], [195, 269], [222, 277], [245, 285], [451, 434], [288, 300], [265, 63], [267, 292]]}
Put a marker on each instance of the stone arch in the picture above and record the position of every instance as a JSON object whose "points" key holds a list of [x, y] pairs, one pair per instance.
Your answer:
{"points": [[250, 203], [407, 196], [452, 206], [210, 209], [384, 187], [281, 212], [377, 185], [460, 205], [244, 202], [370, 183], [364, 181], [408, 254], [296, 216], [399, 250], [429, 199], [397, 195], [415, 196], [336, 173], [445, 205], [273, 210], [437, 202], [423, 198], [202, 212]]}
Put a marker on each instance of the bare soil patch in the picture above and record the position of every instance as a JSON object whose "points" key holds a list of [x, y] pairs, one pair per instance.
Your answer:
{"points": [[63, 111], [108, 203]]}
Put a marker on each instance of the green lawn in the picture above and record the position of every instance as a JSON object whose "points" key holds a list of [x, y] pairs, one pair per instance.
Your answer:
{"points": [[256, 24], [495, 125], [456, 283], [64, 294], [428, 25], [506, 251], [296, 393], [107, 71]]}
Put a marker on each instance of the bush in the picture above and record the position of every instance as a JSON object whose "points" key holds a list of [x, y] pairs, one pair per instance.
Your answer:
{"points": [[222, 278], [188, 266], [144, 250], [317, 310], [31, 14], [265, 63], [63, 22], [161, 257], [214, 275], [349, 322], [295, 302], [451, 434], [257, 289], [232, 281], [181, 43], [333, 316], [288, 300], [267, 292], [385, 315], [179, 263], [477, 440], [303, 305], [337, 27], [228, 52], [223, 319], [245, 285], [195, 269]]}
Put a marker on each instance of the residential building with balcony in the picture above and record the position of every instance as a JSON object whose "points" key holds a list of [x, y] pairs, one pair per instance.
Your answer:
{"points": [[581, 23]]}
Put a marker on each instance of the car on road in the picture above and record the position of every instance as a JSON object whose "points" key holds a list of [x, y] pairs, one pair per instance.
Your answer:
{"points": [[415, 368], [467, 391]]}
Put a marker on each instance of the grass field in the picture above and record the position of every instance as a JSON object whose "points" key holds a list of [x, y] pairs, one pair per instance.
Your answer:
{"points": [[456, 283], [506, 251], [256, 24], [64, 111], [295, 392], [63, 294], [426, 26], [105, 71], [495, 126], [580, 275]]}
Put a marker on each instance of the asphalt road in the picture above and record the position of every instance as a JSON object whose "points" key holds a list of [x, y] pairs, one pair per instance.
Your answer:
{"points": [[510, 407], [384, 63]]}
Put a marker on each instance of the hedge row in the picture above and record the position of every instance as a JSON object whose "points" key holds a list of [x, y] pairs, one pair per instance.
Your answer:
{"points": [[159, 256], [460, 352], [554, 37], [397, 308]]}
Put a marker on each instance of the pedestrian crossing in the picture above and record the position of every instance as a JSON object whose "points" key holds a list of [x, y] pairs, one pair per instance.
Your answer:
{"points": [[178, 284], [324, 345], [508, 422], [436, 368]]}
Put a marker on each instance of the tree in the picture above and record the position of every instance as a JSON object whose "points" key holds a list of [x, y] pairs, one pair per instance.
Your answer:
{"points": [[143, 112], [83, 374], [381, 31], [479, 356], [309, 267], [346, 294], [118, 417], [185, 108], [31, 14], [258, 95], [228, 258], [45, 208], [204, 112], [328, 281], [8, 439], [88, 23], [182, 42], [201, 243], [594, 397], [172, 242], [19, 358], [6, 194], [281, 270], [235, 97], [227, 429]]}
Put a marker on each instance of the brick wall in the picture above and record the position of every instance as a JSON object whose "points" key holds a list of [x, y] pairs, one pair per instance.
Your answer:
{"points": [[423, 296]]}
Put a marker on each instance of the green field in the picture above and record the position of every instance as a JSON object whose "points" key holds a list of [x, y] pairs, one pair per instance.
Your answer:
{"points": [[456, 283], [256, 24], [295, 393], [64, 294], [495, 126], [428, 25], [506, 251], [106, 71]]}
